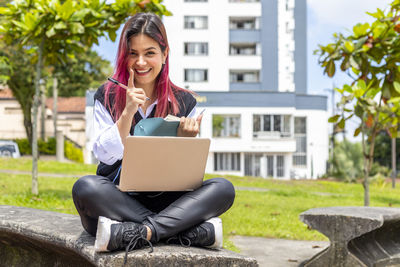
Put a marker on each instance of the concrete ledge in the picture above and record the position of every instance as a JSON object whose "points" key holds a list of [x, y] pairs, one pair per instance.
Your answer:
{"points": [[359, 236], [30, 237]]}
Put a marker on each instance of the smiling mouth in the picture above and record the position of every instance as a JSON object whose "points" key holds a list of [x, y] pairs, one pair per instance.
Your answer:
{"points": [[142, 72]]}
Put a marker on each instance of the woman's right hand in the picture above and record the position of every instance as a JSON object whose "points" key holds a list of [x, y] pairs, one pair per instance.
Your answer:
{"points": [[135, 97]]}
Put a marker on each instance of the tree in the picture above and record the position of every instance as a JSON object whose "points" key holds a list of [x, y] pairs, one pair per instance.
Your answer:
{"points": [[54, 30], [383, 154], [87, 70], [370, 55], [347, 163], [20, 80]]}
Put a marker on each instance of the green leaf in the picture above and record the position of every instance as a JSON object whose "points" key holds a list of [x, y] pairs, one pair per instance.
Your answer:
{"points": [[386, 90], [353, 63], [360, 42], [50, 32], [348, 88], [65, 10], [365, 48], [394, 100], [345, 64], [339, 90], [393, 131], [341, 123], [371, 93], [396, 86], [361, 84], [77, 27], [359, 111], [357, 131], [60, 25], [330, 68], [378, 14], [349, 46], [360, 29], [334, 119], [30, 21], [379, 29], [80, 14], [19, 24], [4, 10], [113, 35]]}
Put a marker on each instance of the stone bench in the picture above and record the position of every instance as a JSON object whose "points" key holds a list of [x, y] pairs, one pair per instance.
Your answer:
{"points": [[359, 236], [30, 237]]}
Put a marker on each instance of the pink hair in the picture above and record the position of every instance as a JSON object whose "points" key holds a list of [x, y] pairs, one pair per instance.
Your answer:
{"points": [[151, 25]]}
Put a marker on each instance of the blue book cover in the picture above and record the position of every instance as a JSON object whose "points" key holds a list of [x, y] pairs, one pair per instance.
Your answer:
{"points": [[157, 126]]}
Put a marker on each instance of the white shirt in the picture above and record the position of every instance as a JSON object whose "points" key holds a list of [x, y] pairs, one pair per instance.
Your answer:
{"points": [[107, 146]]}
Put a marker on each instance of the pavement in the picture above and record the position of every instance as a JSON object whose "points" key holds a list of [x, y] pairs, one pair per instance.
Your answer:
{"points": [[271, 252]]}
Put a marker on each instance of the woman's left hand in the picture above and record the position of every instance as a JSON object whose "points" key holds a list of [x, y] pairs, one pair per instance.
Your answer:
{"points": [[189, 127]]}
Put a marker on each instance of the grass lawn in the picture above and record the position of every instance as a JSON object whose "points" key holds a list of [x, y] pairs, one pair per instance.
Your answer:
{"points": [[273, 212]]}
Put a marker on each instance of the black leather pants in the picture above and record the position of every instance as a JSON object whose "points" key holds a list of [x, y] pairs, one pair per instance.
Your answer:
{"points": [[166, 213]]}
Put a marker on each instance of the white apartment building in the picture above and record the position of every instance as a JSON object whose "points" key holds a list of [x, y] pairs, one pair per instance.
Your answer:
{"points": [[247, 61]]}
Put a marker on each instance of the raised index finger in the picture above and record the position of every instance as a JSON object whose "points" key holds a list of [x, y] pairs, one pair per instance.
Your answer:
{"points": [[131, 83]]}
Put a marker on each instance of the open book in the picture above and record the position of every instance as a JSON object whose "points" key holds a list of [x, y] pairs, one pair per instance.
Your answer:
{"points": [[167, 126]]}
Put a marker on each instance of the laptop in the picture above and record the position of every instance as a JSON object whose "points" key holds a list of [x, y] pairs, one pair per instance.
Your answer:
{"points": [[159, 163]]}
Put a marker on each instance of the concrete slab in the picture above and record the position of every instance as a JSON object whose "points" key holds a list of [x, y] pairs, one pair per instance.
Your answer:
{"points": [[278, 252]]}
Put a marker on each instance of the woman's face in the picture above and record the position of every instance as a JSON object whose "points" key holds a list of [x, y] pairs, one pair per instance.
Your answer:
{"points": [[146, 59]]}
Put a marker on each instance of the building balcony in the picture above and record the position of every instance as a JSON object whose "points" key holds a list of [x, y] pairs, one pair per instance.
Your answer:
{"points": [[244, 36]]}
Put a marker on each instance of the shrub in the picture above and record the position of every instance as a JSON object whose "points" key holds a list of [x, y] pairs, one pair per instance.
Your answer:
{"points": [[379, 169], [48, 147], [23, 146], [73, 153]]}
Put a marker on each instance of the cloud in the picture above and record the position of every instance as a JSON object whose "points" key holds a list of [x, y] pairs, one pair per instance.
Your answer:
{"points": [[345, 13]]}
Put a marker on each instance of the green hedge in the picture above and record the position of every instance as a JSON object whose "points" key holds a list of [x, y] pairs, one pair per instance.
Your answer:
{"points": [[48, 147], [72, 152]]}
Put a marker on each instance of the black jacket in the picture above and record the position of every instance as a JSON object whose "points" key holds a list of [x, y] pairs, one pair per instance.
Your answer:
{"points": [[186, 103]]}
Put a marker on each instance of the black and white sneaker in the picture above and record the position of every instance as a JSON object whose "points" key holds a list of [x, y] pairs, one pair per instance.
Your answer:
{"points": [[113, 235], [207, 234]]}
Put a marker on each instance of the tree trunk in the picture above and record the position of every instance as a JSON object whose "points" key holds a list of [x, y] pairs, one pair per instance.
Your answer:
{"points": [[42, 112], [394, 171], [35, 189], [28, 123], [55, 98]]}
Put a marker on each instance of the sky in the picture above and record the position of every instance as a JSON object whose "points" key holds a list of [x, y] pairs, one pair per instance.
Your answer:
{"points": [[324, 17]]}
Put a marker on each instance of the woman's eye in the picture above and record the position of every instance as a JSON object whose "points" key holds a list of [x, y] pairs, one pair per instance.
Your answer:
{"points": [[150, 53]]}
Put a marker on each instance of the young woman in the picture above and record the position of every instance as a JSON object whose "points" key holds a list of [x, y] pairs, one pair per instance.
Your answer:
{"points": [[132, 220]]}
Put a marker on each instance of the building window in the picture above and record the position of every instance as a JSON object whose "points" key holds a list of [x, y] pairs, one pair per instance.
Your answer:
{"points": [[226, 125], [244, 23], [300, 134], [264, 165], [226, 161], [244, 49], [196, 22], [196, 49], [267, 126], [196, 75], [245, 76], [252, 164]]}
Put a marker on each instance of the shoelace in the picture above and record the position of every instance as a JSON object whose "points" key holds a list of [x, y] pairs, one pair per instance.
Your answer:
{"points": [[134, 239], [182, 237]]}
